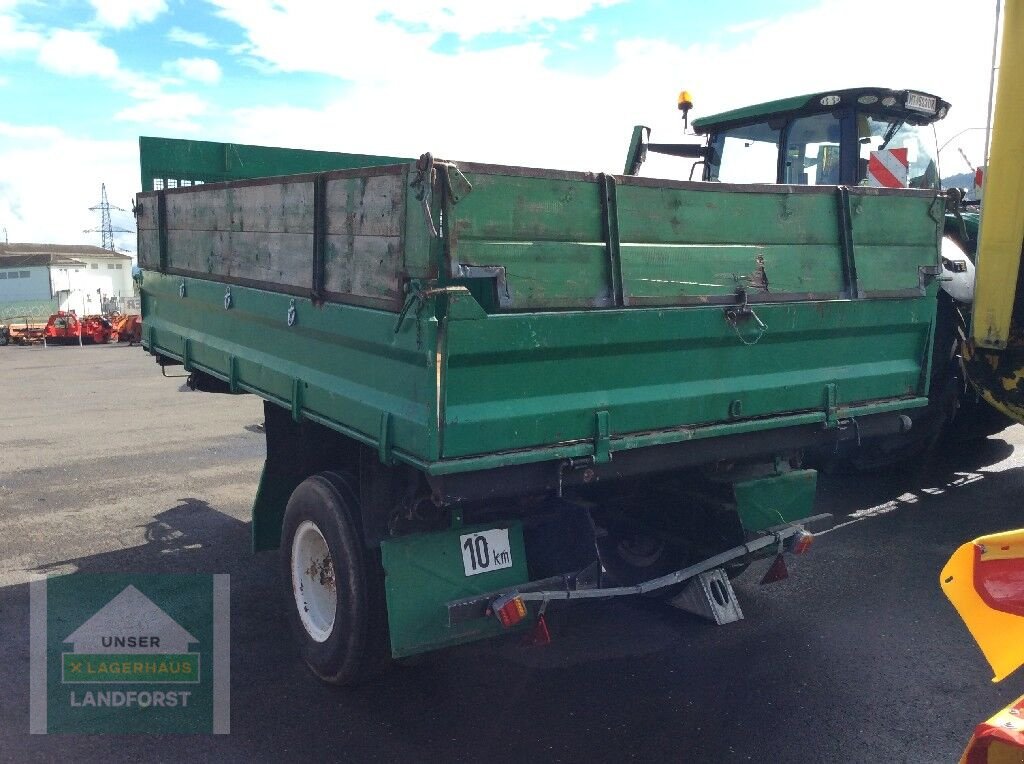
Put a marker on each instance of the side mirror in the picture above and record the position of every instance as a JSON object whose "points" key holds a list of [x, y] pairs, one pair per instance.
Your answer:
{"points": [[637, 149]]}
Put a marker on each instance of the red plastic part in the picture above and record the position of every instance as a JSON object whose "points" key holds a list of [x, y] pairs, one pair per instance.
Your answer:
{"points": [[777, 572]]}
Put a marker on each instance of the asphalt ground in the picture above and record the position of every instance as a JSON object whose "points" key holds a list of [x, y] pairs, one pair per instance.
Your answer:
{"points": [[107, 466]]}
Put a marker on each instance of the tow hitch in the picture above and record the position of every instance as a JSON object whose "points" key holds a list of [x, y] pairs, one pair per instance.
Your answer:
{"points": [[708, 594]]}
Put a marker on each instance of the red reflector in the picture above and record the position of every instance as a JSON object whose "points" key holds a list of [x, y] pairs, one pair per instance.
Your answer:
{"points": [[540, 635], [801, 542], [509, 609], [777, 572]]}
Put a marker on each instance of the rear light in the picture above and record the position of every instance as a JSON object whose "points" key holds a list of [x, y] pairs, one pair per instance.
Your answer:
{"points": [[509, 609], [801, 542]]}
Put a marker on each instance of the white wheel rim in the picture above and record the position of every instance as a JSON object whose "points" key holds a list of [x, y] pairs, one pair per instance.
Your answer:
{"points": [[313, 581]]}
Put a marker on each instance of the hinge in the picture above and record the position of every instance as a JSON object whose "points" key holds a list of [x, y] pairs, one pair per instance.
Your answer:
{"points": [[602, 441], [831, 407]]}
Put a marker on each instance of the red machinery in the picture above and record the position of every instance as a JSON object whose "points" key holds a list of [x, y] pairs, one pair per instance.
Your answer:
{"points": [[127, 327], [64, 327]]}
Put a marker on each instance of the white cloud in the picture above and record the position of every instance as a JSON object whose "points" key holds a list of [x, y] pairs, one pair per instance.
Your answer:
{"points": [[390, 38], [508, 105], [195, 39], [470, 18], [14, 37], [204, 70], [168, 111], [120, 14], [76, 54], [35, 209]]}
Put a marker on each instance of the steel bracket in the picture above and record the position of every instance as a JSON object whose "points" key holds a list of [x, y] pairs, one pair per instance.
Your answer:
{"points": [[831, 407], [602, 441]]}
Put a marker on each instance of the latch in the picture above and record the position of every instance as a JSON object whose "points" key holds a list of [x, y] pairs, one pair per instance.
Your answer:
{"points": [[741, 313], [455, 185]]}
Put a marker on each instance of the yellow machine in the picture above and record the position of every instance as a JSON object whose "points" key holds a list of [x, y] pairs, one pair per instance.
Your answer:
{"points": [[994, 353], [984, 579]]}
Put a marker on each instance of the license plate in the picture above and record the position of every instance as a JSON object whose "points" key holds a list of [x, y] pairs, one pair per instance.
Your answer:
{"points": [[921, 102], [485, 551]]}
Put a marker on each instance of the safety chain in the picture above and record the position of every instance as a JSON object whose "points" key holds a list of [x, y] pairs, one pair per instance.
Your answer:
{"points": [[743, 311]]}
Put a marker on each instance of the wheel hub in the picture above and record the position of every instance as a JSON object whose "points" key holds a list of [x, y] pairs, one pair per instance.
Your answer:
{"points": [[313, 581]]}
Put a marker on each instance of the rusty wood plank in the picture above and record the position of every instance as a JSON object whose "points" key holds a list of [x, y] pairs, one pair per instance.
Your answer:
{"points": [[366, 266], [276, 258]]}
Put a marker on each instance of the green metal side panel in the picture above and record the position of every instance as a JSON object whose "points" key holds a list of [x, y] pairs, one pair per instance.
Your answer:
{"points": [[341, 365], [839, 281], [209, 162], [521, 380], [776, 500], [425, 571]]}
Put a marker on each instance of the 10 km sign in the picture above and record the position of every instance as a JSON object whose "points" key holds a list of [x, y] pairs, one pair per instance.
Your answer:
{"points": [[486, 551]]}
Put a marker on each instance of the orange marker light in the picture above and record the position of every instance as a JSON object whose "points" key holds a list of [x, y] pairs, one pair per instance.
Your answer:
{"points": [[509, 609], [685, 101], [801, 542]]}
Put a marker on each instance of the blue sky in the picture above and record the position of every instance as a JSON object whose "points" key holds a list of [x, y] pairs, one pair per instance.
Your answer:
{"points": [[538, 82]]}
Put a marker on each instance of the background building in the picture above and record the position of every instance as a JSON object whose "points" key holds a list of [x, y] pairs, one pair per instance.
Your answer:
{"points": [[39, 279]]}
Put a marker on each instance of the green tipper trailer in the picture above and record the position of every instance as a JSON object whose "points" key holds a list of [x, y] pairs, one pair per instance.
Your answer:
{"points": [[490, 387]]}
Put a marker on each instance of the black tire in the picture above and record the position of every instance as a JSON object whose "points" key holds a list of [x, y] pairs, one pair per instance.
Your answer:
{"points": [[356, 645], [632, 556], [629, 568], [4, 338], [632, 550]]}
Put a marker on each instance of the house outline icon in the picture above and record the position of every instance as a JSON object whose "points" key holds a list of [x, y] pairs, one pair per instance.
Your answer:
{"points": [[130, 614]]}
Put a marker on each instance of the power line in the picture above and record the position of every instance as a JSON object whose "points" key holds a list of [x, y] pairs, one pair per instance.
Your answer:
{"points": [[106, 229]]}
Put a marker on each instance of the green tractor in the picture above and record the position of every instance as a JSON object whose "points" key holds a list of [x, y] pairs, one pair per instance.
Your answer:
{"points": [[857, 137]]}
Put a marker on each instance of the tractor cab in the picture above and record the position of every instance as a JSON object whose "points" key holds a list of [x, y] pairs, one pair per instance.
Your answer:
{"points": [[861, 136]]}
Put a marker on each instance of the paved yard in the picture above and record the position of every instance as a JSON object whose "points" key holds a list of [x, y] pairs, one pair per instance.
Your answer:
{"points": [[105, 465]]}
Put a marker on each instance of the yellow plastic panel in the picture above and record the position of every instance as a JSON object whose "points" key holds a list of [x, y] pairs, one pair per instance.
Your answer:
{"points": [[999, 634]]}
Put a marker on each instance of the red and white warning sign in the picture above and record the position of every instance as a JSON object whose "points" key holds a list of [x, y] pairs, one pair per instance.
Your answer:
{"points": [[888, 168]]}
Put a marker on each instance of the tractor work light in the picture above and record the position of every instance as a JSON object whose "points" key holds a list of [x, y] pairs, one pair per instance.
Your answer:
{"points": [[509, 609]]}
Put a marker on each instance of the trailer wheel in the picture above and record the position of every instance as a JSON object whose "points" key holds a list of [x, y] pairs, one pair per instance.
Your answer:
{"points": [[4, 337], [334, 584], [633, 556]]}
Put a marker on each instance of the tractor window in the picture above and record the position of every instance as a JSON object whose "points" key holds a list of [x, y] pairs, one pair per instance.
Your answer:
{"points": [[748, 154], [812, 151], [914, 166]]}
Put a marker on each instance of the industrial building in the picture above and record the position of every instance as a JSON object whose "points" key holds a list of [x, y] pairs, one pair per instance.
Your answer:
{"points": [[39, 279]]}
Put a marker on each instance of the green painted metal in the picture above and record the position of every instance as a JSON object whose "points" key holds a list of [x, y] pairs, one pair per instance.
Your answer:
{"points": [[775, 500], [670, 245], [424, 571], [752, 112], [208, 162], [810, 102], [268, 507], [557, 313]]}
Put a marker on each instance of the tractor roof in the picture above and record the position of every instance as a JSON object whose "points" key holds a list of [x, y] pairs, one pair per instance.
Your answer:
{"points": [[874, 100]]}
